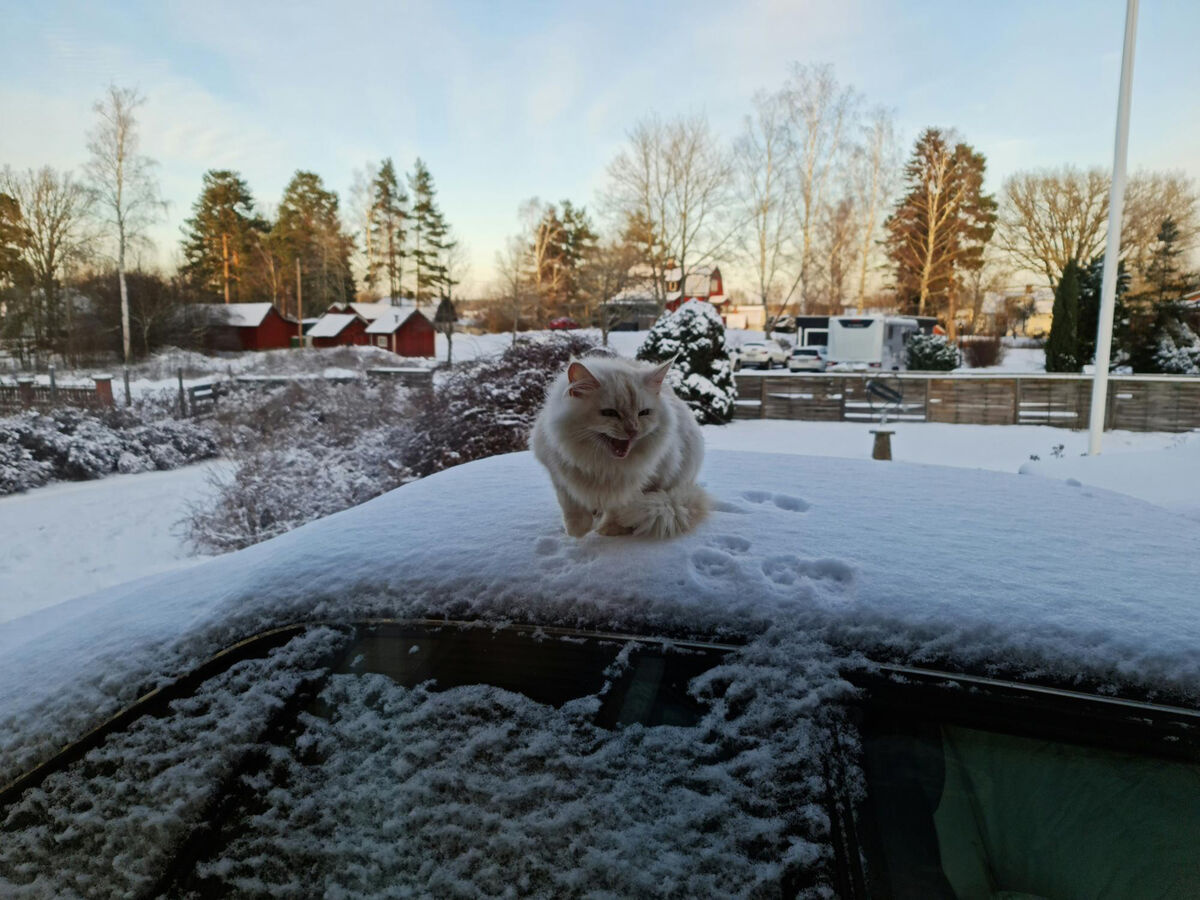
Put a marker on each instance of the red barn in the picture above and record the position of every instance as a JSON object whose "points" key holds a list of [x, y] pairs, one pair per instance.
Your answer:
{"points": [[702, 283], [339, 330], [403, 330], [247, 326]]}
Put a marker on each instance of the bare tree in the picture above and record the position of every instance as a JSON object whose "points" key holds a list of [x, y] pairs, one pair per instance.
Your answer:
{"points": [[361, 212], [513, 289], [674, 176], [54, 209], [609, 271], [543, 235], [838, 233], [875, 166], [819, 113], [123, 180], [1151, 198], [1050, 217], [761, 156]]}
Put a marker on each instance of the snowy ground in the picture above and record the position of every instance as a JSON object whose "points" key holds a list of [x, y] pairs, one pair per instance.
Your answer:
{"points": [[73, 538]]}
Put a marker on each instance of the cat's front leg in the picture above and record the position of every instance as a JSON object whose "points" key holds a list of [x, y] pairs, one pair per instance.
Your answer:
{"points": [[610, 525], [577, 518]]}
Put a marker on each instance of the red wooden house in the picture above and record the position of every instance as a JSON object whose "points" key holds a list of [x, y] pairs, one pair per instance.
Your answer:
{"points": [[247, 326], [339, 330], [701, 283], [403, 330]]}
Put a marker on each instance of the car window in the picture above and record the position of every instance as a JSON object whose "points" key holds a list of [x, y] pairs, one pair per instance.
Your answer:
{"points": [[978, 795]]}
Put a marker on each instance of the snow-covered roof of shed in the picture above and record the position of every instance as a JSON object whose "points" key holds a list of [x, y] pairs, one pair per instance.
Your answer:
{"points": [[238, 315], [331, 325], [372, 311], [391, 320], [998, 572]]}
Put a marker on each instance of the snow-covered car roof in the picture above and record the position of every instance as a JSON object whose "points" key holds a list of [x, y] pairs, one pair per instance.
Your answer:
{"points": [[981, 570]]}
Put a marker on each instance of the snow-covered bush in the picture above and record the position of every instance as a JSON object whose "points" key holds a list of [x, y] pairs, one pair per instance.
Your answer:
{"points": [[488, 406], [702, 376], [299, 453], [1178, 349], [931, 353], [76, 445]]}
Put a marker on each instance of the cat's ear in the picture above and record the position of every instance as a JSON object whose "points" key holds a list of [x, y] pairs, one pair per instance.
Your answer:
{"points": [[654, 378], [581, 381]]}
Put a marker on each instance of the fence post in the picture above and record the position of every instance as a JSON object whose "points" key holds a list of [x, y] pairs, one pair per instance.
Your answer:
{"points": [[128, 397], [182, 397], [25, 390], [104, 394], [53, 387], [762, 397]]}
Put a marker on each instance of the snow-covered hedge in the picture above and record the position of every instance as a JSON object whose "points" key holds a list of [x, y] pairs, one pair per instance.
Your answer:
{"points": [[702, 376], [932, 353], [1178, 350], [75, 445]]}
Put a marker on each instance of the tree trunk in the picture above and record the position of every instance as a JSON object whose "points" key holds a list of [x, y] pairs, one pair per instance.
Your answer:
{"points": [[124, 295], [225, 261]]}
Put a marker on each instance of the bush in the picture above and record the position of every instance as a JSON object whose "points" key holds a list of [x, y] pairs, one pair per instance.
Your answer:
{"points": [[981, 352], [931, 353], [76, 445], [487, 406], [702, 376], [300, 452], [1177, 350]]}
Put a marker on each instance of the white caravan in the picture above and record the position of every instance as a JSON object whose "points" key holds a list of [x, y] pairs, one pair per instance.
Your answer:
{"points": [[871, 342]]}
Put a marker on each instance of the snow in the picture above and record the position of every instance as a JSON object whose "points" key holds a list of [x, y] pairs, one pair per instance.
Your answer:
{"points": [[389, 321], [74, 538], [981, 569], [330, 325], [239, 315]]}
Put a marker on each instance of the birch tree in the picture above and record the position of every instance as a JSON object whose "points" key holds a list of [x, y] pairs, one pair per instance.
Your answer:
{"points": [[123, 181], [874, 168]]}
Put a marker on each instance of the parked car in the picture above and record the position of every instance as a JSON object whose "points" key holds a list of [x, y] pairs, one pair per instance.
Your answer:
{"points": [[787, 701], [807, 359], [760, 354], [562, 323]]}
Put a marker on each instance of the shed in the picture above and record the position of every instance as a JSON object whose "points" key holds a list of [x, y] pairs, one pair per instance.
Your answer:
{"points": [[247, 326], [404, 331], [339, 330]]}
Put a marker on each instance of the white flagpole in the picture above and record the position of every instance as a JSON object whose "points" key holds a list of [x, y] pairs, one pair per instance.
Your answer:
{"points": [[1112, 249]]}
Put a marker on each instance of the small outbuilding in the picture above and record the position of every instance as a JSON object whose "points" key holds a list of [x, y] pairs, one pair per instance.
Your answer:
{"points": [[247, 326], [403, 330], [339, 330]]}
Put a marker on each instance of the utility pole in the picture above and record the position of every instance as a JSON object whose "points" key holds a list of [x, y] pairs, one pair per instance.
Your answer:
{"points": [[225, 260], [299, 305], [1112, 249]]}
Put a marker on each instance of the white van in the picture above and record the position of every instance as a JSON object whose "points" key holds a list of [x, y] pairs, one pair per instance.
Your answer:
{"points": [[871, 342]]}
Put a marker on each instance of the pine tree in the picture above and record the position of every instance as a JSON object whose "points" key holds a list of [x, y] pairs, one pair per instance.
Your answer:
{"points": [[1165, 280], [1062, 347], [389, 206], [220, 239], [308, 232], [1090, 283], [702, 376], [431, 238]]}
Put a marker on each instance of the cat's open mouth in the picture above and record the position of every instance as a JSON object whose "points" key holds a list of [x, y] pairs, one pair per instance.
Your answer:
{"points": [[618, 446]]}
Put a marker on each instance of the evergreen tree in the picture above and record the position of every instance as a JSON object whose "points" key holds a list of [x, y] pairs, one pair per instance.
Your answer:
{"points": [[389, 207], [702, 376], [1062, 347], [431, 238], [1165, 282], [941, 224], [308, 233], [1090, 283], [220, 239], [12, 238]]}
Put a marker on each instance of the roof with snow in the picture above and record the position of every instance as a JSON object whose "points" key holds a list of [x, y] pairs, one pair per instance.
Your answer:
{"points": [[389, 321], [331, 325], [1006, 582], [372, 311], [237, 315]]}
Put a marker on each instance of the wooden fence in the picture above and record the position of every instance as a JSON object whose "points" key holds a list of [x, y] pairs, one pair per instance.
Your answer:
{"points": [[14, 398], [1135, 402]]}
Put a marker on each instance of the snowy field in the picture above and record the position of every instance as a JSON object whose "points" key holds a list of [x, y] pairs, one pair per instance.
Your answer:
{"points": [[73, 538]]}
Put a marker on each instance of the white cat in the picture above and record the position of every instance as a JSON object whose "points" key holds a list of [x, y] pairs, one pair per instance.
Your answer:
{"points": [[622, 450]]}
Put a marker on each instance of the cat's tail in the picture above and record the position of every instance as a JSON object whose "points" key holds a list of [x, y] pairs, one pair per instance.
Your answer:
{"points": [[666, 514]]}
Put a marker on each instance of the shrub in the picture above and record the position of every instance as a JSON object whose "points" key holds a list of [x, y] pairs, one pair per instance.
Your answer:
{"points": [[487, 406], [931, 353], [702, 376], [1177, 350], [980, 352]]}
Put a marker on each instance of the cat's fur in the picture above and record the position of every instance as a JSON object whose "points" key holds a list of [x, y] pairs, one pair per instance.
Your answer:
{"points": [[629, 473]]}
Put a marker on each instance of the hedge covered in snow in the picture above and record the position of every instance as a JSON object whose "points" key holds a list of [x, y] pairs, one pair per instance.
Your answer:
{"points": [[931, 353], [70, 444], [702, 376]]}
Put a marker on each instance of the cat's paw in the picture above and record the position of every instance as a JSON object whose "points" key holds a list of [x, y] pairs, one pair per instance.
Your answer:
{"points": [[578, 524]]}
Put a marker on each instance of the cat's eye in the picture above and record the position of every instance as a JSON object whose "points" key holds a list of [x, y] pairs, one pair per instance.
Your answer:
{"points": [[609, 412], [643, 412]]}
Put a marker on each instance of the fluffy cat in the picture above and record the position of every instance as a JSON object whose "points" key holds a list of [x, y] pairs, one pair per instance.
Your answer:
{"points": [[621, 449]]}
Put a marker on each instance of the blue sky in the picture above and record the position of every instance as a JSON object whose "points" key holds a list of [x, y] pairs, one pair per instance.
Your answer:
{"points": [[505, 101]]}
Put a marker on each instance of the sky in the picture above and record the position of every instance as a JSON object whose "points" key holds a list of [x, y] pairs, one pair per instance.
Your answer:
{"points": [[505, 101]]}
